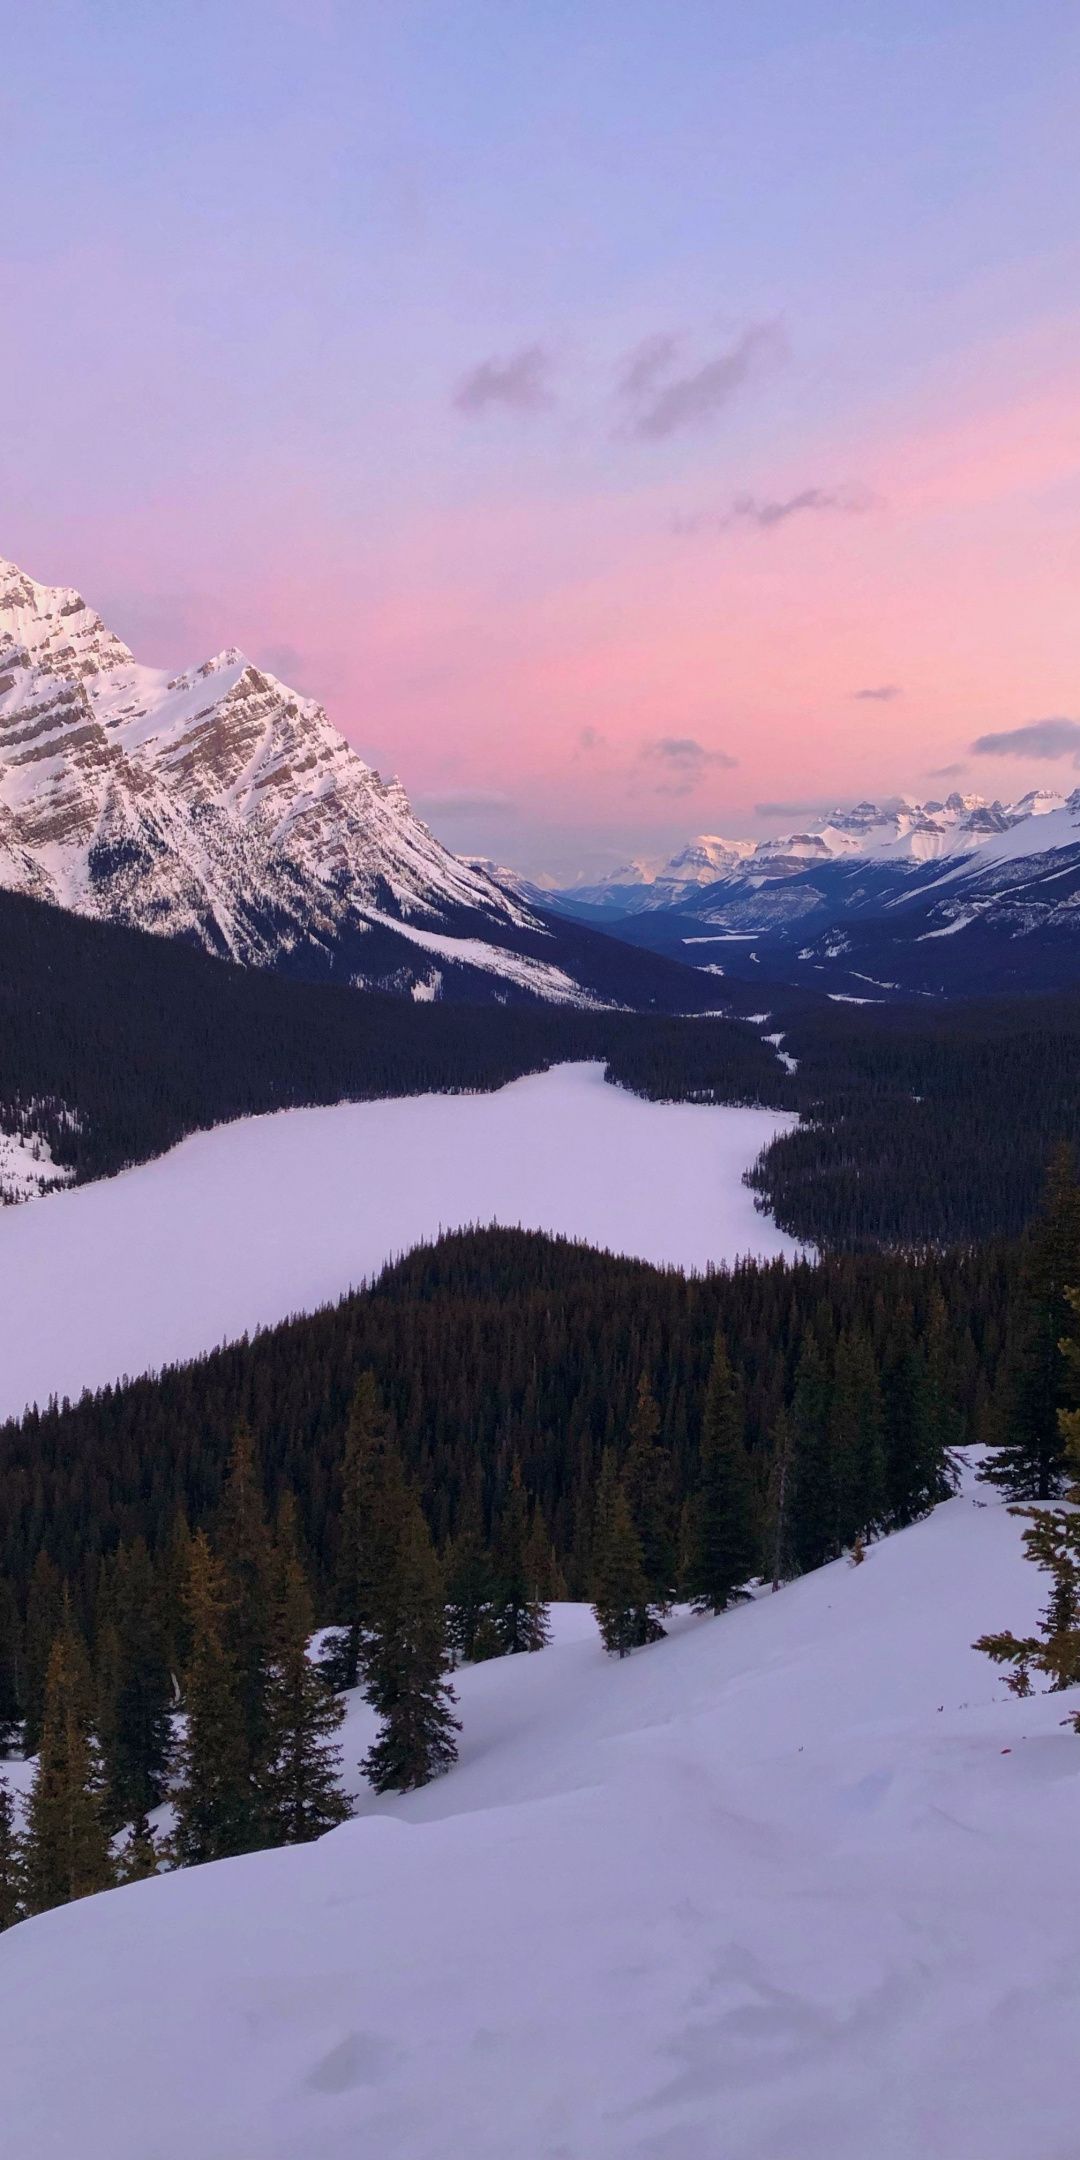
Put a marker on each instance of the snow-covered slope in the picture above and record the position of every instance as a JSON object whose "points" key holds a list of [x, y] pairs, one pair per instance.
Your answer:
{"points": [[220, 806], [242, 1226], [799, 1883]]}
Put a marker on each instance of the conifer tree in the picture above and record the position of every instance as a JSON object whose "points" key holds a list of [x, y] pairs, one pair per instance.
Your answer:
{"points": [[372, 1489], [303, 1797], [135, 1683], [648, 1483], [520, 1614], [246, 1553], [470, 1591], [12, 1670], [139, 1856], [66, 1848], [619, 1589], [12, 1871], [812, 1504], [726, 1547], [1029, 1460], [778, 1522], [44, 1619], [405, 1662], [1052, 1542], [217, 1808], [856, 1442]]}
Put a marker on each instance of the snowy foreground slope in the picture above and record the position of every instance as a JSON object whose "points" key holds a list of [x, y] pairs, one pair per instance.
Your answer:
{"points": [[798, 1884], [242, 1226]]}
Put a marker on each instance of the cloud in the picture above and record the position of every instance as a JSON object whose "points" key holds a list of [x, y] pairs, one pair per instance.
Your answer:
{"points": [[879, 693], [520, 383], [683, 763], [793, 809], [591, 738], [1053, 738], [946, 772], [765, 514], [664, 402]]}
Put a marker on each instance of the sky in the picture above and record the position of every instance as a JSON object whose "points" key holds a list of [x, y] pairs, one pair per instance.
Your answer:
{"points": [[630, 420]]}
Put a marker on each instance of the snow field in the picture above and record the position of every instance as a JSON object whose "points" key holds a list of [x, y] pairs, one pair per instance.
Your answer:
{"points": [[243, 1226], [799, 1883]]}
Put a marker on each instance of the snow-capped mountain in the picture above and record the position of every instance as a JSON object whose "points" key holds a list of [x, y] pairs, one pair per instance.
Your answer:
{"points": [[898, 831], [220, 806]]}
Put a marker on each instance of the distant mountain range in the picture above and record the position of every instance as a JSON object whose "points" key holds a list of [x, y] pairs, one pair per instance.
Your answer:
{"points": [[219, 806], [932, 898]]}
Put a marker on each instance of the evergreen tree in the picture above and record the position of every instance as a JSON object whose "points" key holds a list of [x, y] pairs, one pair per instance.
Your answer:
{"points": [[66, 1849], [778, 1519], [135, 1683], [139, 1856], [726, 1549], [519, 1613], [856, 1442], [620, 1592], [44, 1619], [812, 1504], [246, 1554], [217, 1808], [12, 1872], [648, 1483], [405, 1662], [372, 1489], [1029, 1460], [303, 1796], [12, 1670], [470, 1590]]}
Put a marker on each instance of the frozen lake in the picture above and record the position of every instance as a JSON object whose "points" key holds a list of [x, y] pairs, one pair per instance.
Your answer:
{"points": [[242, 1226]]}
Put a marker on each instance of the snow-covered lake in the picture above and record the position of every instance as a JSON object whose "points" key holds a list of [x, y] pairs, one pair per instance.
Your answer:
{"points": [[240, 1227]]}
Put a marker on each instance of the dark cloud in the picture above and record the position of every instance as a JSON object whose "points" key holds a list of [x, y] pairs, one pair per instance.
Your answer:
{"points": [[682, 763], [1052, 738], [765, 514], [946, 772], [663, 401], [879, 693], [520, 383]]}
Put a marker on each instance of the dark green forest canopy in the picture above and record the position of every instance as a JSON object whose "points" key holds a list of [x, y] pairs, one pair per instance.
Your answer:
{"points": [[487, 1348]]}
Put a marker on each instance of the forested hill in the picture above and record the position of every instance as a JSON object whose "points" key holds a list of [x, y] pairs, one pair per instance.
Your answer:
{"points": [[145, 1039], [501, 1348]]}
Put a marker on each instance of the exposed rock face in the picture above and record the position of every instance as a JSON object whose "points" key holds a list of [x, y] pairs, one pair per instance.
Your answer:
{"points": [[216, 804]]}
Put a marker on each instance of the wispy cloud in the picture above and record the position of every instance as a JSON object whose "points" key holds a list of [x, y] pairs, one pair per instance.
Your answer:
{"points": [[1053, 738], [879, 693], [591, 738], [764, 514], [792, 809], [664, 400], [520, 383], [946, 772], [681, 762]]}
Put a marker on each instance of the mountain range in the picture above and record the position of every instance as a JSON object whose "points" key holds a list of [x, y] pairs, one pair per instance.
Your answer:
{"points": [[858, 904], [219, 806]]}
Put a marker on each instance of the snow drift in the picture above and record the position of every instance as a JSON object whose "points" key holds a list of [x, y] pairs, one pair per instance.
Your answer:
{"points": [[799, 1881]]}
